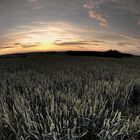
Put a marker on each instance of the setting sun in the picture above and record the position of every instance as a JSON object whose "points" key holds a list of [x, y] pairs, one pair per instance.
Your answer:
{"points": [[44, 25]]}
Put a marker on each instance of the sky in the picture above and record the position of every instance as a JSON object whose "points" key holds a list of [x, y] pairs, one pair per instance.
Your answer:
{"points": [[61, 25]]}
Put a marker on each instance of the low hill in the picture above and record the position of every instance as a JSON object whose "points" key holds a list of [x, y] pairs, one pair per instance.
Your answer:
{"points": [[109, 53]]}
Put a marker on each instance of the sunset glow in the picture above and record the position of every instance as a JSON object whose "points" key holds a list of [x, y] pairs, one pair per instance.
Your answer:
{"points": [[43, 25]]}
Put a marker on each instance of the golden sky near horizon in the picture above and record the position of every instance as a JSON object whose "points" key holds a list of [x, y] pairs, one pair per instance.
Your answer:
{"points": [[45, 25]]}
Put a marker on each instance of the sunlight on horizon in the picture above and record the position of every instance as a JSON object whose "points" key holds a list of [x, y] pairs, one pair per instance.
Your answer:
{"points": [[34, 25], [61, 36]]}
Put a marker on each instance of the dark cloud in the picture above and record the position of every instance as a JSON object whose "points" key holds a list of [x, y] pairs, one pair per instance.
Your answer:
{"points": [[28, 45], [5, 47], [100, 41], [79, 43], [125, 43], [33, 0], [95, 44], [138, 21], [71, 43], [17, 44]]}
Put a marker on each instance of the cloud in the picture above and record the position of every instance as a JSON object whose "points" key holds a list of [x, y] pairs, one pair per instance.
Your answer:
{"points": [[96, 44], [99, 41], [102, 10], [94, 12], [125, 44], [71, 43], [37, 7], [17, 44], [45, 32], [28, 45], [89, 5], [138, 21], [74, 45], [4, 47], [33, 0], [138, 47], [61, 35], [99, 17], [79, 43]]}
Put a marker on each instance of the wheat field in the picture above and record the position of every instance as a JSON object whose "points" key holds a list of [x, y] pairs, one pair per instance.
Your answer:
{"points": [[69, 98]]}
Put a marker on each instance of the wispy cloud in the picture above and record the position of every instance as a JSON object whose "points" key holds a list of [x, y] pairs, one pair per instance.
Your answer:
{"points": [[33, 0], [37, 7], [71, 43], [88, 45], [79, 42], [35, 4], [102, 10], [99, 17], [5, 47], [99, 41], [93, 11], [45, 32], [65, 36], [138, 21], [28, 45], [125, 44]]}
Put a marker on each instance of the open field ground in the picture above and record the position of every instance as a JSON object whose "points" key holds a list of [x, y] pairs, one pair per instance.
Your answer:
{"points": [[69, 98]]}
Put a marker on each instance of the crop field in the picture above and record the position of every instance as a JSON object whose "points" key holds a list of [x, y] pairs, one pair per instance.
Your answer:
{"points": [[69, 98]]}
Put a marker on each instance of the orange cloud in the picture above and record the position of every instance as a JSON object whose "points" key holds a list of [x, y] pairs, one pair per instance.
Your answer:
{"points": [[39, 36], [99, 17], [95, 13], [5, 47], [79, 42], [57, 36], [45, 32], [72, 43], [28, 45]]}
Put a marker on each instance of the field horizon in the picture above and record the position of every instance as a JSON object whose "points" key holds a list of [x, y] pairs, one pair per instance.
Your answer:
{"points": [[107, 53]]}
